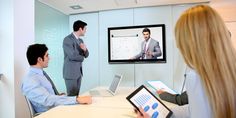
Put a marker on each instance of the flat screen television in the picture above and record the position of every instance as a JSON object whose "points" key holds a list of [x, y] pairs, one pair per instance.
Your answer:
{"points": [[127, 44]]}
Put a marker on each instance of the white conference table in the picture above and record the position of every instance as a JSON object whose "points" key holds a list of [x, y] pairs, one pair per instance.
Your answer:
{"points": [[102, 107]]}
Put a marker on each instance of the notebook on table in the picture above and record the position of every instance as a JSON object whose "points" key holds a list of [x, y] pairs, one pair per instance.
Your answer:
{"points": [[158, 85]]}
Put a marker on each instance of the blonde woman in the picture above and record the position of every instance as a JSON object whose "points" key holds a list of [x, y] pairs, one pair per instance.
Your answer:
{"points": [[205, 44]]}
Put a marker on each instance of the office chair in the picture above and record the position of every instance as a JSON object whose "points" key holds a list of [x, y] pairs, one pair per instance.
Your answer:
{"points": [[31, 108]]}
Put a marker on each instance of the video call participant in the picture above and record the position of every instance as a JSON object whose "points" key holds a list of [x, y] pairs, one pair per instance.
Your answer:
{"points": [[150, 48]]}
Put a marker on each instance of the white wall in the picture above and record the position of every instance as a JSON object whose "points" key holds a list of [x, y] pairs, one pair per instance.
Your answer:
{"points": [[16, 33], [7, 102], [23, 37]]}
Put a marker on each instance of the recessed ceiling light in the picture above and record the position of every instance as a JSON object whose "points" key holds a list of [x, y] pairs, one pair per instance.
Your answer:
{"points": [[75, 7]]}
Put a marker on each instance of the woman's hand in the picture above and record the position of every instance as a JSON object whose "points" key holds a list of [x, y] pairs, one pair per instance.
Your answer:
{"points": [[142, 114]]}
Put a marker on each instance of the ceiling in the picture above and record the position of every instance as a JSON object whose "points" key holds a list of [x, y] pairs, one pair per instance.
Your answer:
{"points": [[99, 5]]}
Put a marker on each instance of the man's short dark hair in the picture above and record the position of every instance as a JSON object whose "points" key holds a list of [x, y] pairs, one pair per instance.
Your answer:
{"points": [[34, 52], [79, 24], [147, 30]]}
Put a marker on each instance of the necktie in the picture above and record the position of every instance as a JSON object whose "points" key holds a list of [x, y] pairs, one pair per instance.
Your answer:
{"points": [[53, 86], [144, 51], [81, 70]]}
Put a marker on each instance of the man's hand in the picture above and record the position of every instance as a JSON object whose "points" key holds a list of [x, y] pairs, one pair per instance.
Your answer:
{"points": [[61, 94], [84, 99], [83, 47], [149, 53]]}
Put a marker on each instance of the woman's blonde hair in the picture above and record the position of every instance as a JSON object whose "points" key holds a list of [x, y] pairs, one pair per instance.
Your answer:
{"points": [[205, 44]]}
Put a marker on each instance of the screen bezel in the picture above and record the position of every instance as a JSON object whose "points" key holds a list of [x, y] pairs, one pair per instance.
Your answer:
{"points": [[126, 61], [143, 87]]}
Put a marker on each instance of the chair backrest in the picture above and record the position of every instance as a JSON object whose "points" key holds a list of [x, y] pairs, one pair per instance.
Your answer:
{"points": [[31, 108]]}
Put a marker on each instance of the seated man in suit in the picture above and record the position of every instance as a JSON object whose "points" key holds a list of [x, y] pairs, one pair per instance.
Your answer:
{"points": [[38, 87]]}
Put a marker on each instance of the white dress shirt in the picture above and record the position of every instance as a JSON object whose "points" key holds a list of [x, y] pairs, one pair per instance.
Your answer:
{"points": [[39, 91]]}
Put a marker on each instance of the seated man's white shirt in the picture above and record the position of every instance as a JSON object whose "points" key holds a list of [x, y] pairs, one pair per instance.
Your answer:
{"points": [[39, 91]]}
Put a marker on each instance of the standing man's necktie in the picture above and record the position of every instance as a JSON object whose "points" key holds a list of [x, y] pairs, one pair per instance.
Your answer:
{"points": [[81, 70], [53, 86]]}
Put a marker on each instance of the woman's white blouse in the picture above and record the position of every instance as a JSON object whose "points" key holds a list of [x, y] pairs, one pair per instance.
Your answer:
{"points": [[198, 101], [198, 106]]}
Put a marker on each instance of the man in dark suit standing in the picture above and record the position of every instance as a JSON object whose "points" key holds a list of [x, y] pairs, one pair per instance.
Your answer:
{"points": [[74, 53]]}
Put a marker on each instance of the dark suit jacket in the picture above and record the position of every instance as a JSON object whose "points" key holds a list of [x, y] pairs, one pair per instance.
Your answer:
{"points": [[73, 57], [153, 47], [180, 99]]}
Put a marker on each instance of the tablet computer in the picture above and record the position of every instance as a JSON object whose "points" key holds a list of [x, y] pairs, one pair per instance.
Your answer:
{"points": [[143, 98]]}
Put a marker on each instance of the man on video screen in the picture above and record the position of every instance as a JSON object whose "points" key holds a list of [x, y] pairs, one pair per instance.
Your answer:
{"points": [[150, 48]]}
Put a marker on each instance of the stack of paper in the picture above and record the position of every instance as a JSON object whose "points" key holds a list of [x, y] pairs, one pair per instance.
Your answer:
{"points": [[158, 85]]}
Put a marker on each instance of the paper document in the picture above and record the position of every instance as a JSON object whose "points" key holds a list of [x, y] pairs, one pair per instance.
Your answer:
{"points": [[158, 85]]}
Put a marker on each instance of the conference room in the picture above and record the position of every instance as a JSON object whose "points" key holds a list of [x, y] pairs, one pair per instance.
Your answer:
{"points": [[114, 35]]}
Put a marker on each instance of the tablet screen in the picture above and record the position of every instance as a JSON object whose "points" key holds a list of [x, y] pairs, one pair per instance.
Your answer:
{"points": [[143, 98]]}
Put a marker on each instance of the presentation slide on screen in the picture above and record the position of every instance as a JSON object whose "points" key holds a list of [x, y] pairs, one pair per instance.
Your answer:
{"points": [[126, 43]]}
